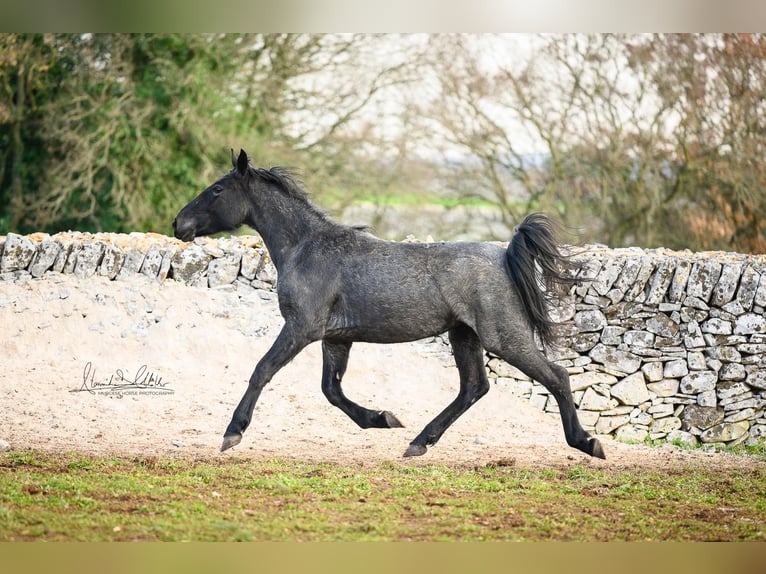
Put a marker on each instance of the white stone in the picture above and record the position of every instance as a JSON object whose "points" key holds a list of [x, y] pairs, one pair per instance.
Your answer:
{"points": [[675, 369], [665, 425], [707, 398], [631, 390], [698, 381], [631, 434], [606, 425], [664, 388], [652, 371], [587, 379], [593, 401], [725, 432], [682, 438], [590, 320], [750, 323]]}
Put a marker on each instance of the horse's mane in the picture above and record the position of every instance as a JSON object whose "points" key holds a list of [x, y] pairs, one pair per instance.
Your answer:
{"points": [[284, 178], [290, 184]]}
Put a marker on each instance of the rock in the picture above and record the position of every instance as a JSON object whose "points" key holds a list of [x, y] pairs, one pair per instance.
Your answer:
{"points": [[757, 379], [662, 325], [725, 432], [112, 261], [631, 390], [4, 445], [638, 338], [71, 259], [593, 401], [45, 257], [167, 258], [748, 284], [701, 417], [88, 259], [652, 371], [606, 425], [698, 381], [665, 425], [131, 265], [631, 434], [677, 290], [637, 291], [682, 438], [17, 253], [506, 370], [223, 271], [703, 278], [760, 292], [717, 326], [622, 361], [590, 320], [750, 323], [152, 262], [251, 263], [267, 273], [607, 275], [661, 281], [732, 372], [727, 390], [61, 258], [612, 335], [695, 360], [587, 379], [707, 398], [727, 284], [664, 388], [675, 369], [190, 264]]}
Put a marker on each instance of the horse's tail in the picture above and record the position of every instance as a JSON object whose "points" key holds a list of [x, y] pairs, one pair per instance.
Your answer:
{"points": [[540, 271]]}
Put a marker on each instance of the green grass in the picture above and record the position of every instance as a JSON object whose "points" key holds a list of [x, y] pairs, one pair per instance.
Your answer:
{"points": [[76, 497]]}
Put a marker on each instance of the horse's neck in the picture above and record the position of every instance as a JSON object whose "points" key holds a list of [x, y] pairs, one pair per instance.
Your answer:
{"points": [[284, 225]]}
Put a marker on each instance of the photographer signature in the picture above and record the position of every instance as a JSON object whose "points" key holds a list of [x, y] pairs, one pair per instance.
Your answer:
{"points": [[120, 380]]}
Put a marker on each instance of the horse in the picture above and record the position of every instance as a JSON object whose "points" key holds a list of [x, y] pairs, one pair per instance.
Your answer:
{"points": [[339, 285]]}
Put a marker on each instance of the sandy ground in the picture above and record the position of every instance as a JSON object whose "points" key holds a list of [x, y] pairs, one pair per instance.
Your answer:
{"points": [[60, 335]]}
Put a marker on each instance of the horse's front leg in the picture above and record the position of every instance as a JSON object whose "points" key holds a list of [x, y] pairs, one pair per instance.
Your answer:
{"points": [[289, 343], [335, 359]]}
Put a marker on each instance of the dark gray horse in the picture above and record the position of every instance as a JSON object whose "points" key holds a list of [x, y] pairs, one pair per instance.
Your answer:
{"points": [[339, 284]]}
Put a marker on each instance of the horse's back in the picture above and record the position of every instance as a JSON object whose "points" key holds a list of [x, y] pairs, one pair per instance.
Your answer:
{"points": [[397, 291]]}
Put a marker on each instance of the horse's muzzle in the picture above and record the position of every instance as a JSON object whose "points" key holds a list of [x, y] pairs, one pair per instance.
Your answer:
{"points": [[184, 233]]}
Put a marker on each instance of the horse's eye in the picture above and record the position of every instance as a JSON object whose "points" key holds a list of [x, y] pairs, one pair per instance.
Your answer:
{"points": [[217, 190]]}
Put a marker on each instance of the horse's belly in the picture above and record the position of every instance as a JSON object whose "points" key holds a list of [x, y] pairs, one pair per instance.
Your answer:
{"points": [[386, 321]]}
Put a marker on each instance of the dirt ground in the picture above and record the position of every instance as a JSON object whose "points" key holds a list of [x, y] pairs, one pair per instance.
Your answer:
{"points": [[64, 343]]}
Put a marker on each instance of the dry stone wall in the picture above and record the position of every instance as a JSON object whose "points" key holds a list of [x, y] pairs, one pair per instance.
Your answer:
{"points": [[658, 344]]}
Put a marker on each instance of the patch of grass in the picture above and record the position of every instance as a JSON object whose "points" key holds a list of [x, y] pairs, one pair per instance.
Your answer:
{"points": [[75, 497]]}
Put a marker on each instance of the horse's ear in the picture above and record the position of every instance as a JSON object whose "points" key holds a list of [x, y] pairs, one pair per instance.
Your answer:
{"points": [[242, 162], [233, 158]]}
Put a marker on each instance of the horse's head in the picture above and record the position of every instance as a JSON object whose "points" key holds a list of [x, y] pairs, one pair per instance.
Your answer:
{"points": [[221, 207]]}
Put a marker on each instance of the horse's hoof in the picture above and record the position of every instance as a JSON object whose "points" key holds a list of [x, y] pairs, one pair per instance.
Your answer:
{"points": [[596, 449], [230, 441], [415, 450], [391, 421]]}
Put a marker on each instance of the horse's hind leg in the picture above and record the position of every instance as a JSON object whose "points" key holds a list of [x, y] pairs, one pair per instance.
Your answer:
{"points": [[469, 358], [555, 378], [335, 359]]}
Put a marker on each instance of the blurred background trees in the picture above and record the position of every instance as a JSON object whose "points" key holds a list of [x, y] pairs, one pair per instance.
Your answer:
{"points": [[651, 140]]}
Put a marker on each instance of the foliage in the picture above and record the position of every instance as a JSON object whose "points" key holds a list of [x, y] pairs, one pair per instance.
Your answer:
{"points": [[117, 131], [635, 139], [643, 136]]}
